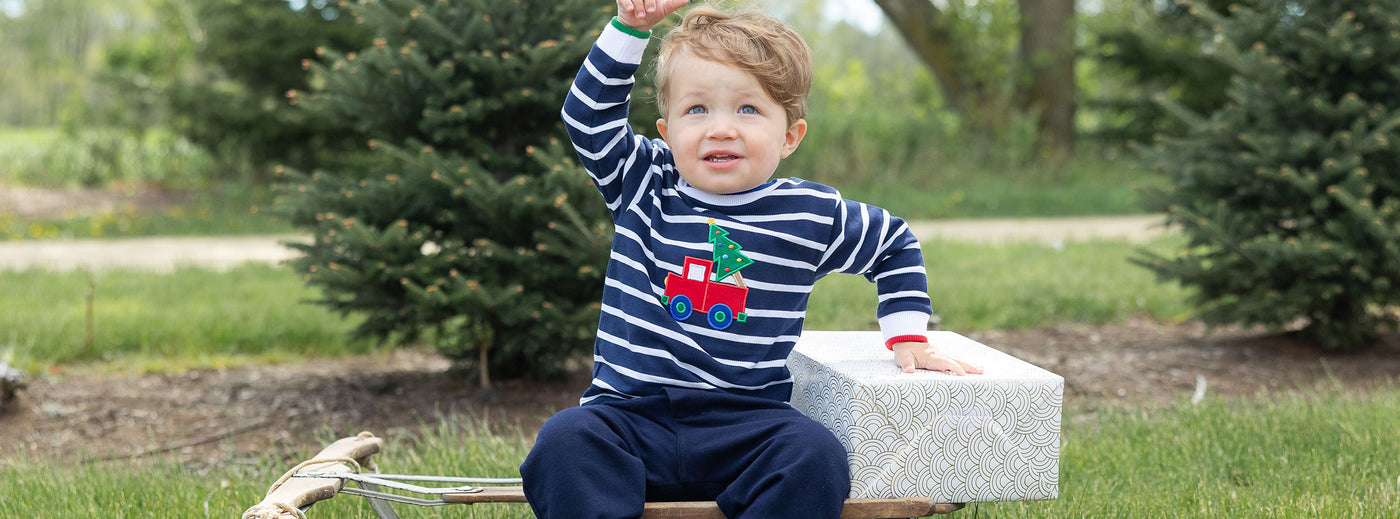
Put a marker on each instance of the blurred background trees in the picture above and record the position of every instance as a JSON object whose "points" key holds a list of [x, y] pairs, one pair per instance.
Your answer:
{"points": [[1027, 70]]}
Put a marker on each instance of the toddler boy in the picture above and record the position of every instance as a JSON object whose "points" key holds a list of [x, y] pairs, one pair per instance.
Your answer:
{"points": [[712, 264]]}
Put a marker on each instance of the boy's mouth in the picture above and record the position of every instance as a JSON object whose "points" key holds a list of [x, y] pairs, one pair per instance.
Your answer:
{"points": [[721, 157]]}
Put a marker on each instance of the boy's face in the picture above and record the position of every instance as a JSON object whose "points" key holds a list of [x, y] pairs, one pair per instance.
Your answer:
{"points": [[726, 133]]}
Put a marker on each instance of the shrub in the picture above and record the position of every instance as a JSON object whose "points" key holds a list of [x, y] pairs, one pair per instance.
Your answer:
{"points": [[469, 222], [1289, 194]]}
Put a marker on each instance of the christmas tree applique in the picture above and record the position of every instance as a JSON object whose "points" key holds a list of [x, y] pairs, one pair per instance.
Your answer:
{"points": [[728, 259], [721, 303]]}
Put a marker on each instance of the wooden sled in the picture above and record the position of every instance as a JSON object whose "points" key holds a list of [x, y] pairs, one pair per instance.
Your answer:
{"points": [[349, 459]]}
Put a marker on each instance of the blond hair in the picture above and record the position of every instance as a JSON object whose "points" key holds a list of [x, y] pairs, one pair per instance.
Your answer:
{"points": [[749, 40]]}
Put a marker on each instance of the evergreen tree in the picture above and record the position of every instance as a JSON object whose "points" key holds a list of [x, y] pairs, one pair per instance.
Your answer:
{"points": [[727, 256], [469, 222], [1157, 46], [1289, 194]]}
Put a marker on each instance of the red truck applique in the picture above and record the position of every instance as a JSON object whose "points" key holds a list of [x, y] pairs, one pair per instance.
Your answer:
{"points": [[721, 303]]}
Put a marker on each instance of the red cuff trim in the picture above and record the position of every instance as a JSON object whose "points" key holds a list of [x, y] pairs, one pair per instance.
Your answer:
{"points": [[904, 338]]}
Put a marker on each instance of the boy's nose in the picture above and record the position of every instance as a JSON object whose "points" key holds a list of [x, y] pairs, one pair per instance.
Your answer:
{"points": [[722, 130]]}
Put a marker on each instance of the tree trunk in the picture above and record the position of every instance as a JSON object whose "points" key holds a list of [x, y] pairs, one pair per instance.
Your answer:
{"points": [[932, 40], [1045, 82], [1047, 59]]}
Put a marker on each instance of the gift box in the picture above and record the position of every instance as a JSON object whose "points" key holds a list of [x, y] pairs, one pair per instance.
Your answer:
{"points": [[953, 439]]}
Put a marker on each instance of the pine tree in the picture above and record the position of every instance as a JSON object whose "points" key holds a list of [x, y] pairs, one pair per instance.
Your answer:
{"points": [[727, 256], [468, 222], [1289, 194]]}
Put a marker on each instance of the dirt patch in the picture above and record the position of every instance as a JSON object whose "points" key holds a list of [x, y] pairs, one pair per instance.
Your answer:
{"points": [[210, 416], [204, 417]]}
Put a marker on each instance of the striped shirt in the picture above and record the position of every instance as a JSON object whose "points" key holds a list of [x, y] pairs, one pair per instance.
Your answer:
{"points": [[667, 321]]}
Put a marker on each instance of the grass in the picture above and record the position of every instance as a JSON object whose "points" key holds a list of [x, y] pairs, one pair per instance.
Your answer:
{"points": [[195, 317], [152, 321], [1089, 185], [1016, 286], [1329, 454]]}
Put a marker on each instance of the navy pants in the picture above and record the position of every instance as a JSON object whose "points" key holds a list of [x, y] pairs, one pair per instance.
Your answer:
{"points": [[756, 458]]}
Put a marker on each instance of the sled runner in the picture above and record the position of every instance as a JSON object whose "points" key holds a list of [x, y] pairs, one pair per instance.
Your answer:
{"points": [[349, 460]]}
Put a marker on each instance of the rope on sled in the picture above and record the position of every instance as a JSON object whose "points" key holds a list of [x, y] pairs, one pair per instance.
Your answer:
{"points": [[279, 510]]}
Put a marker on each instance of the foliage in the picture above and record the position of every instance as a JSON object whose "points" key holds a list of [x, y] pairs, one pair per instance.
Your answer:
{"points": [[47, 51], [95, 157], [1153, 48], [217, 72], [996, 66], [1289, 194], [470, 222]]}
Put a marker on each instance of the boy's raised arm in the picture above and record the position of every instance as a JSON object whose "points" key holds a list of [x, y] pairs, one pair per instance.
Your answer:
{"points": [[642, 15]]}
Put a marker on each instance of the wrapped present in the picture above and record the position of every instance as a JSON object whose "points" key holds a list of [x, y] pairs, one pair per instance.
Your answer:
{"points": [[954, 439]]}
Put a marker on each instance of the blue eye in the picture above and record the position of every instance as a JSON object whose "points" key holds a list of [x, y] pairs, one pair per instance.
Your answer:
{"points": [[697, 109], [748, 109]]}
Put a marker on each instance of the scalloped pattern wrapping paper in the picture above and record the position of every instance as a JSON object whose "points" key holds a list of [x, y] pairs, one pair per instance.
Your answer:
{"points": [[988, 437]]}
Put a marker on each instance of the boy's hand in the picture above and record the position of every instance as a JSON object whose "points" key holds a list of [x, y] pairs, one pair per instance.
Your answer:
{"points": [[642, 15], [912, 355]]}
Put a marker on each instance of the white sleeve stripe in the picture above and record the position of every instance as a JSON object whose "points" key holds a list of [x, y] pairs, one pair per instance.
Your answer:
{"points": [[840, 236], [593, 130], [892, 236], [604, 79], [864, 231], [603, 152], [592, 103], [880, 239], [917, 269], [906, 293]]}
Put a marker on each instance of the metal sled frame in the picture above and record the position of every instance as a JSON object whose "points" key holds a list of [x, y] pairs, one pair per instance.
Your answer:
{"points": [[349, 460]]}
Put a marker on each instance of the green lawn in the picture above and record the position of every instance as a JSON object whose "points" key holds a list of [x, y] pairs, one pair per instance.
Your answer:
{"points": [[1322, 455], [152, 321], [1016, 286], [196, 317]]}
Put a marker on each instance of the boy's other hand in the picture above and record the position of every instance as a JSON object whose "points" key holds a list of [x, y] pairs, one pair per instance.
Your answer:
{"points": [[645, 14], [913, 355]]}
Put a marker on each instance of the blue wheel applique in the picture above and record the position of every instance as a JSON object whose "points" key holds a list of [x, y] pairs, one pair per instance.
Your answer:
{"points": [[680, 308], [720, 316]]}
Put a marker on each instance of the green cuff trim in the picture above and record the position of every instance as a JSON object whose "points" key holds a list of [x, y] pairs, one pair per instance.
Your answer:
{"points": [[630, 30]]}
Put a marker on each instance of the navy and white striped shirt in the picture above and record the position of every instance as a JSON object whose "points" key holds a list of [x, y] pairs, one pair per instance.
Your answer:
{"points": [[794, 231]]}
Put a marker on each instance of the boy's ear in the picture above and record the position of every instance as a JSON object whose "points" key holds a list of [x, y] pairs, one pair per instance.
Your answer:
{"points": [[661, 127], [794, 136]]}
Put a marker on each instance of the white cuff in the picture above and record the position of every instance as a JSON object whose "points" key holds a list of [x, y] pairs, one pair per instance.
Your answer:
{"points": [[904, 323], [623, 47]]}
